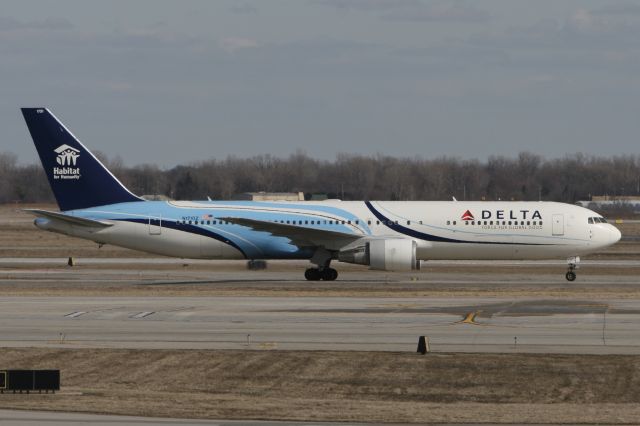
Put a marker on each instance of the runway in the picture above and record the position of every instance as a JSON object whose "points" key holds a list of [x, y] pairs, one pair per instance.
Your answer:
{"points": [[317, 323], [49, 418], [459, 306]]}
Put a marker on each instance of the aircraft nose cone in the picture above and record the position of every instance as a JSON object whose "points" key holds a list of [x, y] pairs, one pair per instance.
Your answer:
{"points": [[615, 235]]}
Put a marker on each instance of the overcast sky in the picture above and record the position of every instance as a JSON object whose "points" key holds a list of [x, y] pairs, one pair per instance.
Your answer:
{"points": [[173, 82]]}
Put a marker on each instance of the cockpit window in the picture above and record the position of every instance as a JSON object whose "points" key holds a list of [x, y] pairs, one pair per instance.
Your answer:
{"points": [[597, 220]]}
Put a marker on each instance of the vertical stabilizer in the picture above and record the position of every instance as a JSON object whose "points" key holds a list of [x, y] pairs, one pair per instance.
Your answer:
{"points": [[78, 179]]}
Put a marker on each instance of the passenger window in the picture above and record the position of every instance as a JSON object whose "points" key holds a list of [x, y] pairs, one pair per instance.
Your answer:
{"points": [[448, 222], [509, 222], [473, 222], [466, 222], [343, 222], [368, 222], [454, 222], [528, 222], [408, 222], [377, 222], [540, 223], [421, 223], [357, 222]]}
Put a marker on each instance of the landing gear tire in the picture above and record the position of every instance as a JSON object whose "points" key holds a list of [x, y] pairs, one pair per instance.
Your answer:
{"points": [[315, 274], [571, 276], [329, 274], [312, 274]]}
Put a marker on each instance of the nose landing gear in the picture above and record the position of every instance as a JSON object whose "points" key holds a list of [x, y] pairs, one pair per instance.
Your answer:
{"points": [[573, 265]]}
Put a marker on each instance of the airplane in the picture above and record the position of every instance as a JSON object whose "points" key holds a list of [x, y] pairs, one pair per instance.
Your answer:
{"points": [[384, 235]]}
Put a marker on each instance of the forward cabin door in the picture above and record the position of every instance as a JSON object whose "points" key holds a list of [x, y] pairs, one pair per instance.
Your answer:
{"points": [[155, 225], [557, 225]]}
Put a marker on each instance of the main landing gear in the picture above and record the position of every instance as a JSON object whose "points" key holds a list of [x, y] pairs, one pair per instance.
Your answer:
{"points": [[322, 259], [317, 274], [573, 263]]}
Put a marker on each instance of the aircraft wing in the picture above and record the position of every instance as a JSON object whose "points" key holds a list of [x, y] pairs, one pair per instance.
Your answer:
{"points": [[299, 235], [74, 220]]}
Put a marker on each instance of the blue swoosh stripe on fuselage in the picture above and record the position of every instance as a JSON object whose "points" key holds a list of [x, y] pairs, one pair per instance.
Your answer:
{"points": [[192, 229], [269, 209], [428, 237]]}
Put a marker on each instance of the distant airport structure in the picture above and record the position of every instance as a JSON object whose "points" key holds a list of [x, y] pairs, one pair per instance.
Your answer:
{"points": [[608, 201], [269, 196]]}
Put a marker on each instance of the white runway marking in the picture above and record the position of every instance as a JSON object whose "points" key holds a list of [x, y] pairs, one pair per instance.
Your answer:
{"points": [[142, 314]]}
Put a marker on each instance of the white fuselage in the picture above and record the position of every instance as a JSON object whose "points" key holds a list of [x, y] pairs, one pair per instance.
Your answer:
{"points": [[441, 230]]}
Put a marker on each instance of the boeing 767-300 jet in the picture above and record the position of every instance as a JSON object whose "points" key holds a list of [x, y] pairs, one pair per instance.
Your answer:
{"points": [[385, 235]]}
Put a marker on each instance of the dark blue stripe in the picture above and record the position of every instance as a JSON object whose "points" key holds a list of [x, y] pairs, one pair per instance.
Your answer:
{"points": [[192, 229], [428, 237]]}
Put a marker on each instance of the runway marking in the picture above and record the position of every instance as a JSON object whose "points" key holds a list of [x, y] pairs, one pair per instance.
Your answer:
{"points": [[141, 315], [75, 314], [470, 318]]}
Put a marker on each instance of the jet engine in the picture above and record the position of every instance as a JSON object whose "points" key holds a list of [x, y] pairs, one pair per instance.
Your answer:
{"points": [[384, 254]]}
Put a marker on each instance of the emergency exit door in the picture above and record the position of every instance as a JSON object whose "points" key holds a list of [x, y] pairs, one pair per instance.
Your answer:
{"points": [[557, 224]]}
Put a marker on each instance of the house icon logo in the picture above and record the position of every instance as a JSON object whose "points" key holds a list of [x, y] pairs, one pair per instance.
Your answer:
{"points": [[67, 156]]}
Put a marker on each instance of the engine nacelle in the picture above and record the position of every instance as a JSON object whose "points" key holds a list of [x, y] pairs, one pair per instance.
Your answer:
{"points": [[384, 254]]}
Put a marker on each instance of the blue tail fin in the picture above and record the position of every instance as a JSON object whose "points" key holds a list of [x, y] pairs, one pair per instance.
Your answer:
{"points": [[78, 179]]}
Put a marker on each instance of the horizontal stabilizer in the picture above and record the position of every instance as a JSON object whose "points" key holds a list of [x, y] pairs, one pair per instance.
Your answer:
{"points": [[79, 221]]}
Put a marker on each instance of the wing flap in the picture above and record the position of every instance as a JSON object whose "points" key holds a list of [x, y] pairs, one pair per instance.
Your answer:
{"points": [[74, 220]]}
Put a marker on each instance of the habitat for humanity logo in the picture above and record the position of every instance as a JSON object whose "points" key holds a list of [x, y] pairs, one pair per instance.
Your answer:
{"points": [[67, 157]]}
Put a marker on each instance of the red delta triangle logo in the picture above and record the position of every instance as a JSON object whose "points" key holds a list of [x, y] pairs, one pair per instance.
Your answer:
{"points": [[467, 216]]}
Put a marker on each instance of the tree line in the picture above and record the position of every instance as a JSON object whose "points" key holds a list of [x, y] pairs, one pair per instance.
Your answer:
{"points": [[527, 177]]}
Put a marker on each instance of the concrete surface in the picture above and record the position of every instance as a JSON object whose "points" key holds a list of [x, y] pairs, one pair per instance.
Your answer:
{"points": [[158, 303], [52, 418], [312, 323]]}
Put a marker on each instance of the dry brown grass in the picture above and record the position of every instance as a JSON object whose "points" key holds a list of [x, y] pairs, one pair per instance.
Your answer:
{"points": [[337, 386]]}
